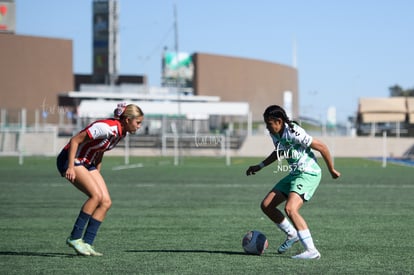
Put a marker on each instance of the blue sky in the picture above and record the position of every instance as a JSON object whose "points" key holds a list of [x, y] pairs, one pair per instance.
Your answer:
{"points": [[346, 49]]}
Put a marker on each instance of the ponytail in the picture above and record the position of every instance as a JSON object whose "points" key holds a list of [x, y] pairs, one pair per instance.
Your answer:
{"points": [[119, 110]]}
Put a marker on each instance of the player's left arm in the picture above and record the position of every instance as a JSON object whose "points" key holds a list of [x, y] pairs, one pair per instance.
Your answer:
{"points": [[324, 150], [256, 168]]}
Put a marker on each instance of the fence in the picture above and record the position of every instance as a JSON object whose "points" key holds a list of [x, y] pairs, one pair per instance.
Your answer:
{"points": [[19, 139]]}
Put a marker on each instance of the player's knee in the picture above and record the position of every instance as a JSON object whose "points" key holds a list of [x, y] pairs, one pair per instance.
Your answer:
{"points": [[96, 198], [290, 211], [106, 203], [264, 206]]}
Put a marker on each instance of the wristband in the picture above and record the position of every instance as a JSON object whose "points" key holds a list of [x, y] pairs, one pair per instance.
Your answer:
{"points": [[261, 165]]}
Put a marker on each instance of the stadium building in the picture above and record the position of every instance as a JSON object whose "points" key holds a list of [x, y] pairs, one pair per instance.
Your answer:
{"points": [[37, 75]]}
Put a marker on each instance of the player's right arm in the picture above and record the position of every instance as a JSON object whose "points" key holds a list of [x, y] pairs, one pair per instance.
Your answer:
{"points": [[323, 149], [74, 145], [256, 168]]}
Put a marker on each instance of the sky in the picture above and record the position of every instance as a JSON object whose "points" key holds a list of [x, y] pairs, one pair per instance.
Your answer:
{"points": [[344, 49]]}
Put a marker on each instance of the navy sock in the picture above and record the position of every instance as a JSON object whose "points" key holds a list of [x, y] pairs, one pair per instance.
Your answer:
{"points": [[80, 223], [91, 231]]}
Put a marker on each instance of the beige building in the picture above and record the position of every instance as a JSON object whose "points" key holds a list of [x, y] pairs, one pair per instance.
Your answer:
{"points": [[257, 82], [394, 115], [33, 71]]}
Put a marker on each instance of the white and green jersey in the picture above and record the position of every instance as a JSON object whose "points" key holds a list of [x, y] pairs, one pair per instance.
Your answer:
{"points": [[294, 146]]}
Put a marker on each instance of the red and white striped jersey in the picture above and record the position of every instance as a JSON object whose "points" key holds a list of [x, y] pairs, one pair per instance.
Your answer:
{"points": [[104, 135]]}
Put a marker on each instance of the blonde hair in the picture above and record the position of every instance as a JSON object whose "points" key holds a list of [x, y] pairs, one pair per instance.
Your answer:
{"points": [[130, 111]]}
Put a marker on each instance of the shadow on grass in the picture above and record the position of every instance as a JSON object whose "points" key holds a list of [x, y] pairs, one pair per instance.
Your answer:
{"points": [[39, 254], [186, 251]]}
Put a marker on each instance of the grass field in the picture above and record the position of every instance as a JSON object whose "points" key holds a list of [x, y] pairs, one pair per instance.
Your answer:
{"points": [[190, 219]]}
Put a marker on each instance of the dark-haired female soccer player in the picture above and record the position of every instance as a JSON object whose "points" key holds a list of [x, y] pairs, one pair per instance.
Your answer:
{"points": [[293, 143], [80, 162]]}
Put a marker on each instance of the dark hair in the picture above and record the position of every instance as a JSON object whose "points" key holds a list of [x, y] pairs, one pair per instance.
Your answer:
{"points": [[275, 112]]}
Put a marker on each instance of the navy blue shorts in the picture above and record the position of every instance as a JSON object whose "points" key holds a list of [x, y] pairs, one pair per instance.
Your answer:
{"points": [[62, 163]]}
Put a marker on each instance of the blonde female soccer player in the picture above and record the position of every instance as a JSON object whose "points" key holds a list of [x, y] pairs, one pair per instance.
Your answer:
{"points": [[294, 144], [80, 163]]}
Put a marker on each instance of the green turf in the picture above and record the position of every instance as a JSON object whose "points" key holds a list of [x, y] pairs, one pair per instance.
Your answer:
{"points": [[190, 219]]}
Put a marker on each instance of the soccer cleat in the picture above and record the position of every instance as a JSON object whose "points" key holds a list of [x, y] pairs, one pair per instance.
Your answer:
{"points": [[287, 244], [308, 255], [79, 246], [92, 250]]}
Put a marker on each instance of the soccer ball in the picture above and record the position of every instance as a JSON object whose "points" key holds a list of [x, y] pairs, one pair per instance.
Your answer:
{"points": [[254, 242]]}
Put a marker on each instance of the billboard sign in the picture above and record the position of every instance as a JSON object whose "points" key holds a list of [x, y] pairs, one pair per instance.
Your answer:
{"points": [[7, 16], [178, 66]]}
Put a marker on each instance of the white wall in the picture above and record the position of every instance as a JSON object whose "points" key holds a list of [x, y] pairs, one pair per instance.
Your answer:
{"points": [[254, 146]]}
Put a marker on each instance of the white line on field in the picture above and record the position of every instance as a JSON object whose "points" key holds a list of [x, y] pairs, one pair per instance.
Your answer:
{"points": [[130, 166]]}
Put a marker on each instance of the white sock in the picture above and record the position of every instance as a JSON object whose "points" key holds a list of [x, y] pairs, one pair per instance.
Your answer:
{"points": [[288, 228], [306, 239]]}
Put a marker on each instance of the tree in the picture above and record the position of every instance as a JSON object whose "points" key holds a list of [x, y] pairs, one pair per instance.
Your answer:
{"points": [[397, 90]]}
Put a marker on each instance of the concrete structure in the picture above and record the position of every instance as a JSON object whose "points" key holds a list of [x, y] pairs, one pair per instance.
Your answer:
{"points": [[254, 146], [257, 82], [261, 146], [394, 115], [33, 71], [363, 147]]}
